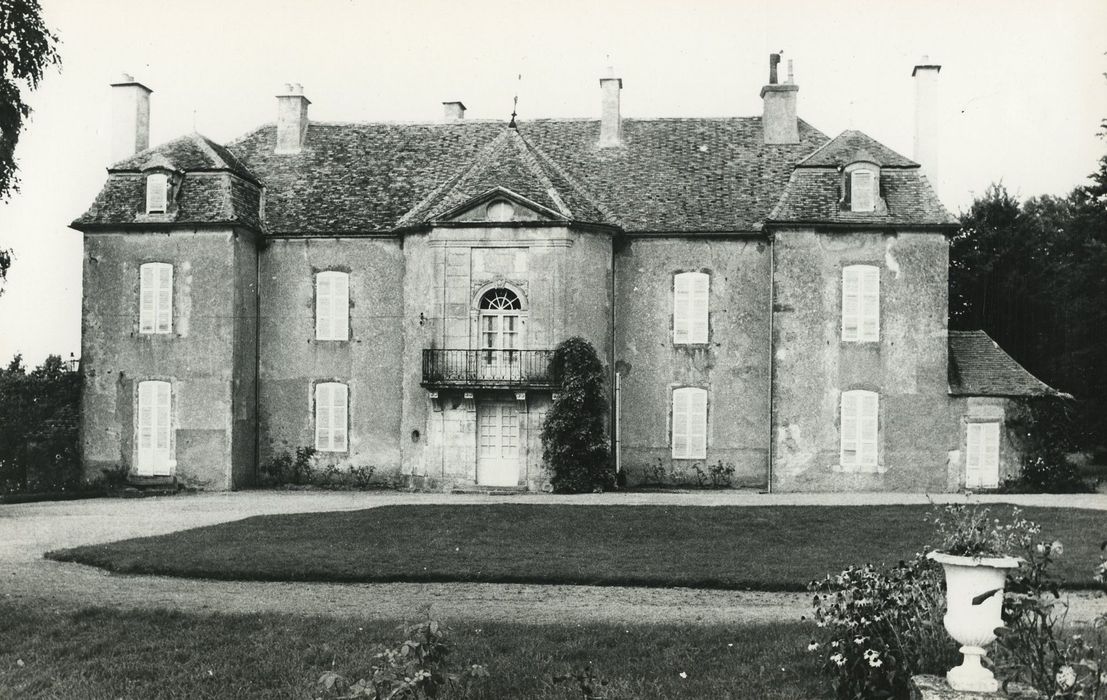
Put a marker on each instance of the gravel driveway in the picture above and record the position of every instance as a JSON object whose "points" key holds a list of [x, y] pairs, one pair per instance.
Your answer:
{"points": [[26, 531]]}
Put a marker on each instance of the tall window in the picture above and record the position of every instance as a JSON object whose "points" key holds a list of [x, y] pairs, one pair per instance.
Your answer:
{"points": [[332, 305], [690, 295], [154, 456], [860, 410], [331, 416], [982, 458], [155, 307], [861, 303], [157, 193], [689, 423], [499, 322], [862, 190]]}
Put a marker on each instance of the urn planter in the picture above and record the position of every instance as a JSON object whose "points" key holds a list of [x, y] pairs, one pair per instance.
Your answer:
{"points": [[973, 625]]}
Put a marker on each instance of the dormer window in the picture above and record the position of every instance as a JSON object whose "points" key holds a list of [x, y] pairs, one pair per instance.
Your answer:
{"points": [[862, 191], [500, 211], [157, 193]]}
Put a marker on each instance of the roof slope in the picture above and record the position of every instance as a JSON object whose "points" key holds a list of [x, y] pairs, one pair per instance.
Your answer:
{"points": [[851, 146], [669, 174], [979, 367], [190, 153], [813, 196]]}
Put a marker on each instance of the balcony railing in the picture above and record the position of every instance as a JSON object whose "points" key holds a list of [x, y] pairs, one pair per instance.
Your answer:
{"points": [[487, 368]]}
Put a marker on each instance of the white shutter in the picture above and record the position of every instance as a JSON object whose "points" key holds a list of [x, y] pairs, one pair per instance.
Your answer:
{"points": [[867, 412], [851, 302], [689, 423], [698, 307], [154, 421], [680, 424], [324, 318], [982, 455], [339, 408], [164, 298], [682, 302], [861, 190], [147, 310], [870, 303], [973, 449], [331, 419], [849, 447], [157, 193], [340, 306], [323, 419]]}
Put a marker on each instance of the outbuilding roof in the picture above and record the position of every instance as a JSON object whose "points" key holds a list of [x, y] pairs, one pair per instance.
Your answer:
{"points": [[979, 367]]}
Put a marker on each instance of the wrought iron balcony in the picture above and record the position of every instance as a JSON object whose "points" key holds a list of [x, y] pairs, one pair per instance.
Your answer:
{"points": [[487, 368]]}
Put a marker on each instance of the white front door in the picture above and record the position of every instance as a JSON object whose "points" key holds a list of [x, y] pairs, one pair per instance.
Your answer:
{"points": [[982, 460], [154, 456], [498, 444]]}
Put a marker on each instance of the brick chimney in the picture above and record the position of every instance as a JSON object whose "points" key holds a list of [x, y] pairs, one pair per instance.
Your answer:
{"points": [[926, 117], [778, 116], [452, 111], [292, 118], [611, 121], [130, 117]]}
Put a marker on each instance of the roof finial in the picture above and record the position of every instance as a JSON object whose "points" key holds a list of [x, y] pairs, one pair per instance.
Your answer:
{"points": [[515, 104]]}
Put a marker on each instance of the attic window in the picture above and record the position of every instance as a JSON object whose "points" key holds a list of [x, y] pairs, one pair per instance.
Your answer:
{"points": [[157, 193], [862, 190], [500, 210]]}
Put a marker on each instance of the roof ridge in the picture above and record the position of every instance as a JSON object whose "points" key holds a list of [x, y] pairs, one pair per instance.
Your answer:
{"points": [[525, 151], [572, 182]]}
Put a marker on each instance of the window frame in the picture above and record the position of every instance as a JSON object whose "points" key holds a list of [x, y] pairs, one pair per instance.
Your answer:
{"points": [[332, 314], [325, 431], [157, 192], [155, 317], [866, 327], [691, 308], [681, 422], [852, 420]]}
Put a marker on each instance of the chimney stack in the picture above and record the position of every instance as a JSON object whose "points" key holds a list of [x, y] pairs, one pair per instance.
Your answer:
{"points": [[452, 111], [778, 117], [611, 121], [292, 118], [926, 117], [130, 107]]}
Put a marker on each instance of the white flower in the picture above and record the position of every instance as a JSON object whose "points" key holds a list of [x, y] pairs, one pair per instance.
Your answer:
{"points": [[875, 663], [838, 659], [812, 646], [683, 674], [1066, 677], [858, 640], [1057, 549]]}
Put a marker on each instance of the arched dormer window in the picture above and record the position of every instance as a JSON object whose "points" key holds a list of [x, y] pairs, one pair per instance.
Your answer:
{"points": [[157, 193], [861, 187]]}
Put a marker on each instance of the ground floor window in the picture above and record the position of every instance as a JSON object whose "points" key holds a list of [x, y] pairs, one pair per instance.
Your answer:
{"points": [[331, 416], [689, 434], [154, 453], [982, 455], [860, 411]]}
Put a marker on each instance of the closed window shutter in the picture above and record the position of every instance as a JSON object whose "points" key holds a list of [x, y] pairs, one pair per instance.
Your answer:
{"points": [[972, 457], [870, 303], [989, 457], [697, 424], [165, 298], [698, 308], [145, 428], [161, 419], [849, 449], [147, 298], [867, 428], [680, 424], [331, 417], [323, 416], [682, 301], [340, 307], [154, 429], [861, 190], [851, 303], [157, 194], [339, 407], [324, 316]]}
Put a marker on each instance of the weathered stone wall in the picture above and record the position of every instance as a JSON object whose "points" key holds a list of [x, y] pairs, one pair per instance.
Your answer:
{"points": [[199, 357], [564, 277], [292, 361], [732, 366], [908, 366]]}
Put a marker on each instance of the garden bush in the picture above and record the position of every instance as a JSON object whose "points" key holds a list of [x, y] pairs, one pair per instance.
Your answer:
{"points": [[574, 441], [1046, 432], [38, 427]]}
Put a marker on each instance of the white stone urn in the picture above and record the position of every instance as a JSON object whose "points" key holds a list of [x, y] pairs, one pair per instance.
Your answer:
{"points": [[973, 626]]}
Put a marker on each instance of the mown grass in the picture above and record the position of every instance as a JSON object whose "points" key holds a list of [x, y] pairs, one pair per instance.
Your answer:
{"points": [[760, 548], [104, 653]]}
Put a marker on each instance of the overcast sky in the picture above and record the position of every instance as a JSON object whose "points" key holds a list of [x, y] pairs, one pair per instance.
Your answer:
{"points": [[1021, 85]]}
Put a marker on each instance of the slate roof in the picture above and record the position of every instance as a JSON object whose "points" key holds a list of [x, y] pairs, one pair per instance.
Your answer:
{"points": [[979, 367], [190, 153], [851, 146]]}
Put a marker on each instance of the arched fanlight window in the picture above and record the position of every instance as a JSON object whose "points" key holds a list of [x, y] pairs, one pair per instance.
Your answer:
{"points": [[500, 210], [501, 299]]}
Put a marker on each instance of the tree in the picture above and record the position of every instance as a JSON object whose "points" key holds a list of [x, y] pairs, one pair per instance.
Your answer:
{"points": [[27, 50], [573, 438]]}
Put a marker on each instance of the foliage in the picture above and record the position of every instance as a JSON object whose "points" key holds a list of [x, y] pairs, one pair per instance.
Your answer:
{"points": [[413, 670], [574, 440], [285, 468], [1036, 645], [5, 265], [1046, 432], [881, 627], [27, 49], [39, 427], [588, 682], [968, 531], [716, 476]]}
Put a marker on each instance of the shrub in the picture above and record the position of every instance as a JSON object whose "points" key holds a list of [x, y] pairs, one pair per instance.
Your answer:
{"points": [[1046, 432], [574, 442], [968, 531], [412, 670], [38, 427], [881, 627], [285, 468], [722, 475]]}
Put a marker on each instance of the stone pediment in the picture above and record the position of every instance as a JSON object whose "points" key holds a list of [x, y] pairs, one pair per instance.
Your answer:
{"points": [[501, 205]]}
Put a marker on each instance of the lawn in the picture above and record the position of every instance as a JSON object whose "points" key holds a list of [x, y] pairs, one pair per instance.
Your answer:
{"points": [[761, 548], [102, 653]]}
